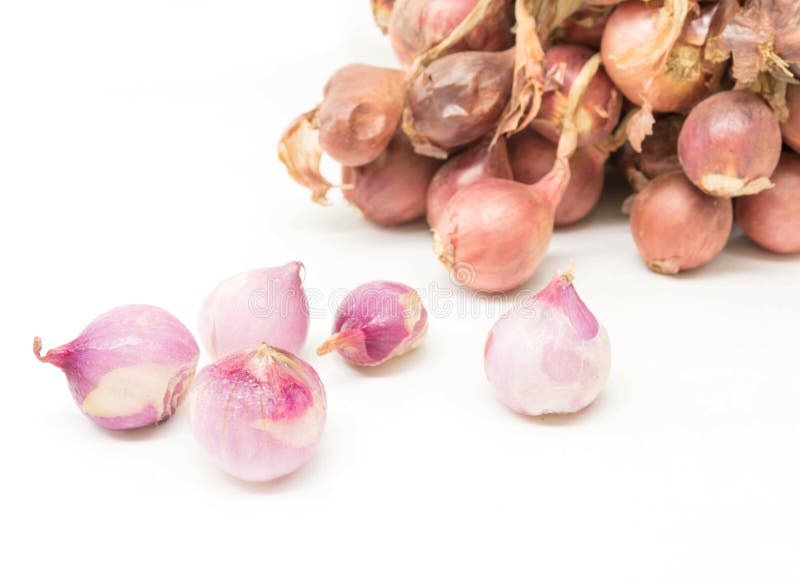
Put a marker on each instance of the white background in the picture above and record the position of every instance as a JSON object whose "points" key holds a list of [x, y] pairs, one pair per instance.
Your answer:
{"points": [[137, 164]]}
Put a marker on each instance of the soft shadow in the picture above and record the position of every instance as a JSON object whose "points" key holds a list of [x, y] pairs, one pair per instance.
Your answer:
{"points": [[564, 420]]}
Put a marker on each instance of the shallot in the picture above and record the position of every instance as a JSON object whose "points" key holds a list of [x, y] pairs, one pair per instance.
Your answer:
{"points": [[791, 127], [260, 305], [532, 157], [130, 368], [730, 144], [417, 26], [659, 154], [549, 354], [676, 226], [481, 161], [391, 190], [494, 234], [376, 322], [259, 413], [586, 26], [772, 218]]}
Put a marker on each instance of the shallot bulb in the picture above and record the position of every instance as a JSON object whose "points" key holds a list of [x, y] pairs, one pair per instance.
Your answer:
{"points": [[376, 322], [494, 234], [392, 189], [382, 12], [357, 118], [259, 413], [481, 161], [676, 227], [130, 368], [532, 157], [654, 55], [791, 127], [730, 144], [772, 218], [261, 305], [457, 99], [416, 26], [549, 354], [598, 108]]}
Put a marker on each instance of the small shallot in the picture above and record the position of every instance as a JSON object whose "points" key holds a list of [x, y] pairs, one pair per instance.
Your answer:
{"points": [[260, 305], [791, 127], [772, 218], [549, 354], [130, 368], [676, 226], [730, 144], [391, 190], [376, 322], [259, 413]]}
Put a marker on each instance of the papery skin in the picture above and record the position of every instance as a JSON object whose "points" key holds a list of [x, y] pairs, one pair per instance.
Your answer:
{"points": [[259, 413], [549, 354], [457, 99], [659, 154], [376, 322], [772, 217], [130, 368], [418, 25], [791, 127], [260, 305], [494, 234], [676, 226], [532, 157], [382, 12], [586, 26], [481, 161], [598, 111], [392, 189], [730, 144]]}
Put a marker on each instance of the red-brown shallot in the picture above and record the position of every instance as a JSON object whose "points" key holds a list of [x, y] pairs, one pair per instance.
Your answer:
{"points": [[392, 189], [730, 144], [482, 161], [791, 126], [417, 26], [532, 157], [659, 154], [357, 118], [676, 226], [772, 217], [493, 234], [586, 26]]}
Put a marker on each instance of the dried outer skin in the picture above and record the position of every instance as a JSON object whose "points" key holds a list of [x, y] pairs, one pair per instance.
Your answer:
{"points": [[536, 22], [659, 154], [772, 218], [439, 27], [457, 100], [354, 123], [762, 36], [716, 144], [596, 108], [676, 227], [392, 189], [382, 12], [481, 161], [585, 27]]}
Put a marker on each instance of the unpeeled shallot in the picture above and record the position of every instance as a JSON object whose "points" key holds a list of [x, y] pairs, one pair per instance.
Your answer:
{"points": [[676, 226], [130, 368], [772, 217], [791, 127], [730, 144], [259, 413], [549, 354], [261, 305], [376, 322]]}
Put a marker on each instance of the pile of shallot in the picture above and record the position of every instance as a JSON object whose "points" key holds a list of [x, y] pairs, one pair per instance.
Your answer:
{"points": [[500, 118]]}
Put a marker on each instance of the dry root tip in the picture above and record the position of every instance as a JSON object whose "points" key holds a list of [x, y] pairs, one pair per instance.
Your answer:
{"points": [[440, 250], [666, 267], [37, 348]]}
